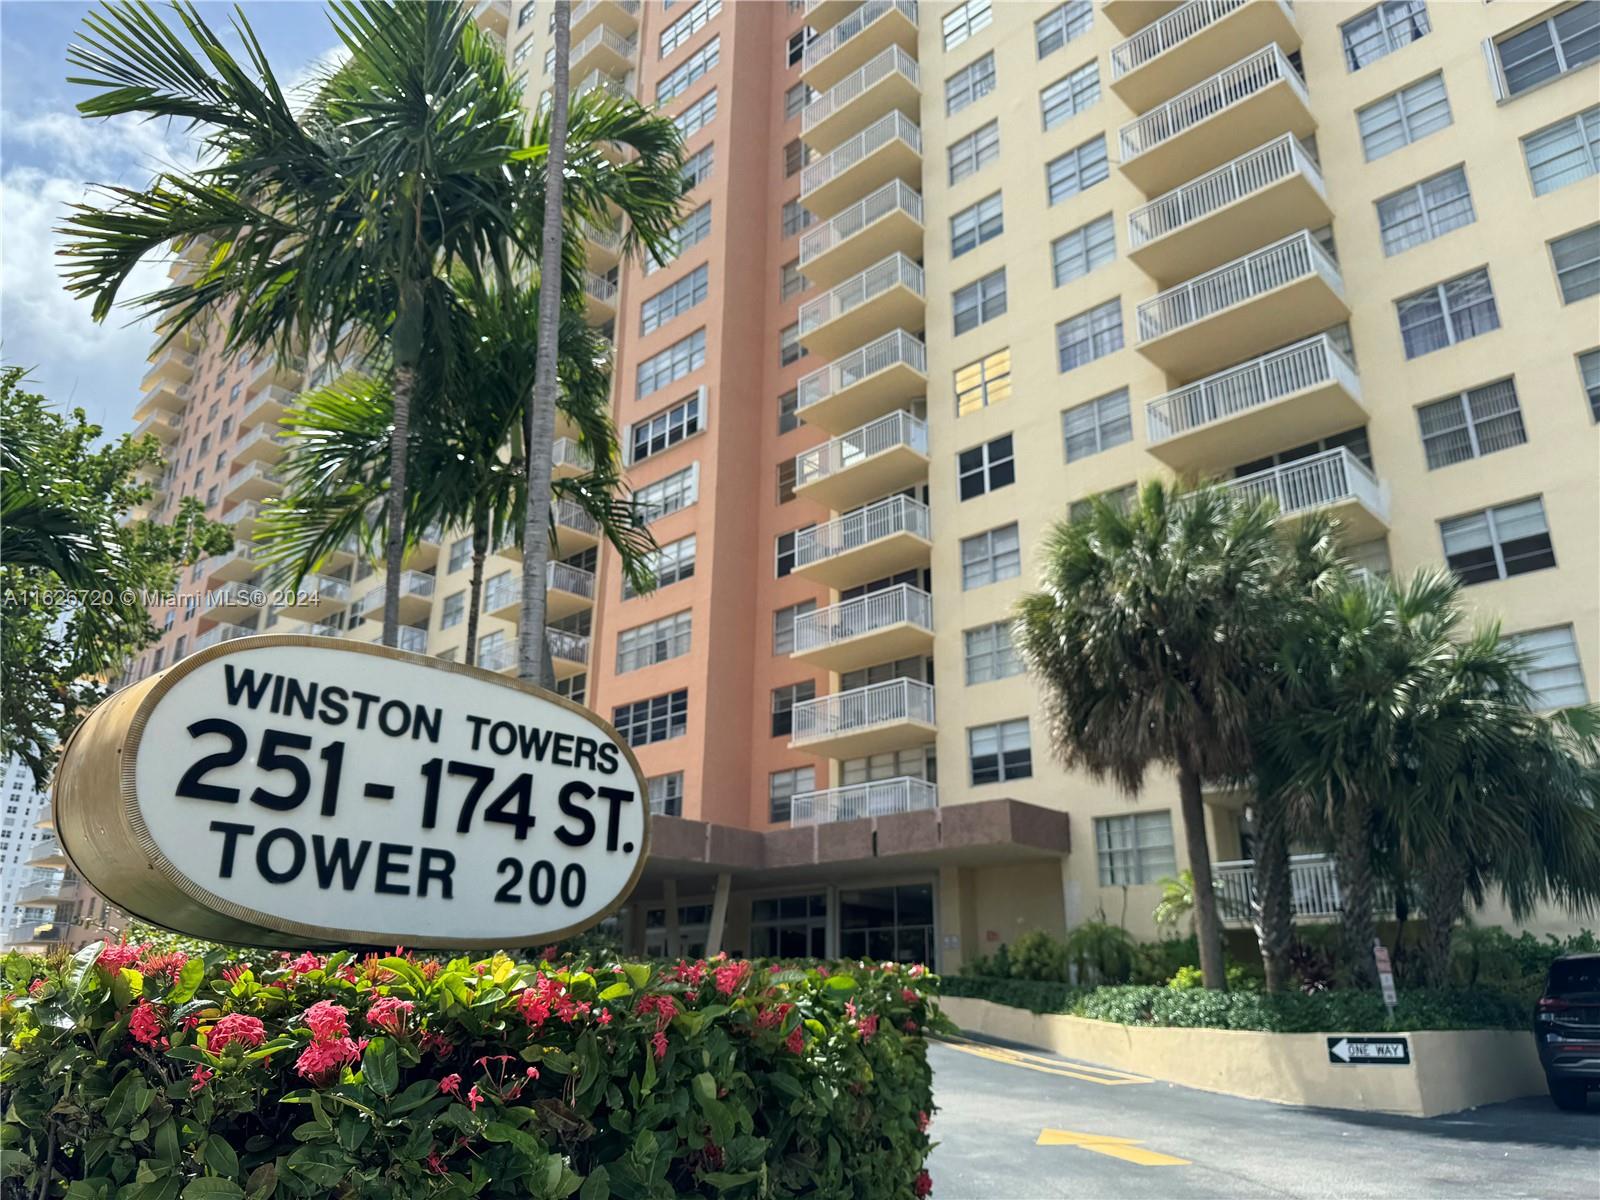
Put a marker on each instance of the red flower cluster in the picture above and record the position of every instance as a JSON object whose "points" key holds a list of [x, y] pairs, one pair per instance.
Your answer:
{"points": [[924, 1184], [116, 955], [730, 975], [145, 1023], [665, 1008], [548, 995], [305, 964], [236, 1029], [170, 965], [390, 1014], [327, 1020], [331, 1048]]}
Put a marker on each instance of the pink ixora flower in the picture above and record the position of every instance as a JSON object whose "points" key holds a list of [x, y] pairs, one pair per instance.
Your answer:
{"points": [[305, 964], [729, 976], [923, 1186], [436, 1164], [323, 1060], [236, 1029], [869, 1026], [327, 1020], [144, 1023], [604, 1017], [170, 965], [908, 995], [236, 972], [201, 1077], [390, 1014], [659, 1041], [922, 1122], [796, 1042], [474, 1098], [450, 1085], [665, 1008], [117, 955]]}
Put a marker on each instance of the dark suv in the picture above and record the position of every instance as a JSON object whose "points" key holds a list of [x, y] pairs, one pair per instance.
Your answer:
{"points": [[1566, 1026]]}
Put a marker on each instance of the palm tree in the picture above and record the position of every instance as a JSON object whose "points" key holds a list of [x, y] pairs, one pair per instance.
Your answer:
{"points": [[354, 207], [1150, 634]]}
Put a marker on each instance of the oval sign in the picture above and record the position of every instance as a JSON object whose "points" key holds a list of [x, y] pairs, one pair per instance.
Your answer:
{"points": [[279, 789]]}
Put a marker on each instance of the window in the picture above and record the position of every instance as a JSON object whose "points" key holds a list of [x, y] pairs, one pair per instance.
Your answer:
{"points": [[964, 20], [1553, 672], [783, 701], [453, 611], [795, 156], [1565, 152], [1077, 169], [1425, 211], [666, 428], [996, 753], [1447, 313], [1554, 46], [1497, 543], [1097, 425], [982, 383], [990, 653], [789, 411], [654, 720], [1382, 30], [787, 476], [973, 82], [1073, 255], [673, 363], [985, 468], [784, 786], [783, 625], [525, 14], [990, 557], [698, 115], [1061, 24], [1398, 120], [698, 167], [1577, 259], [1066, 97], [784, 551], [574, 688], [977, 150], [678, 80], [670, 564], [212, 493], [1589, 372], [685, 27], [980, 301], [1118, 498], [790, 281], [676, 491], [674, 300], [666, 794], [975, 225], [1089, 335], [656, 642], [789, 348], [693, 229], [799, 41], [1473, 424], [1136, 848], [795, 218], [796, 99]]}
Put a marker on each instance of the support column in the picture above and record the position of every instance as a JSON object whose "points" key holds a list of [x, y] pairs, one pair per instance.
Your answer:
{"points": [[719, 914], [669, 888], [1071, 898]]}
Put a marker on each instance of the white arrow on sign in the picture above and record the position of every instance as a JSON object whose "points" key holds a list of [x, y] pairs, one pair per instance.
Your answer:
{"points": [[1342, 1049]]}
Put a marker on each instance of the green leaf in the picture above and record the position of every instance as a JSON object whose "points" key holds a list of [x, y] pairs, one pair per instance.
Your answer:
{"points": [[220, 1157], [597, 1186], [617, 991], [263, 1182], [127, 1101], [212, 1188], [83, 967], [639, 975], [841, 983], [189, 981], [125, 985], [380, 1066], [704, 1087]]}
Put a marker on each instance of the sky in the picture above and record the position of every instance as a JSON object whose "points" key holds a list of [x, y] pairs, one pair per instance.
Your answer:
{"points": [[50, 158]]}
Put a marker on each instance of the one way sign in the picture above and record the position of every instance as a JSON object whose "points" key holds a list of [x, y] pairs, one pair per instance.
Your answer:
{"points": [[1355, 1051]]}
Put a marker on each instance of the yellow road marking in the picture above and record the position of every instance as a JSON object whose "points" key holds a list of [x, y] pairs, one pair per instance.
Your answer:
{"points": [[1127, 1149], [1046, 1066]]}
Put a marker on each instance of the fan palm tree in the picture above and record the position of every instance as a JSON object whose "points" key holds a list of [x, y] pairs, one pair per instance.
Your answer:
{"points": [[398, 168], [1149, 635]]}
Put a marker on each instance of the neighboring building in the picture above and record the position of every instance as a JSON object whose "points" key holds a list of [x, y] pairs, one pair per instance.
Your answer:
{"points": [[43, 904], [949, 269]]}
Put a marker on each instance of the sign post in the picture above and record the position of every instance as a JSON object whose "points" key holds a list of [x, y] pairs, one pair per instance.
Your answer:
{"points": [[284, 790], [1380, 956]]}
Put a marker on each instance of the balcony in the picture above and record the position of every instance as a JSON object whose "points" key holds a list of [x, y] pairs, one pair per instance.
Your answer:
{"points": [[620, 86], [1313, 888], [261, 444], [823, 15], [890, 82], [882, 626], [45, 818], [238, 562], [499, 655], [266, 406], [47, 852], [26, 933], [1192, 42], [599, 297], [863, 801], [620, 15], [604, 247], [886, 296], [1334, 481], [409, 637], [1260, 196], [887, 222], [47, 892], [256, 482], [275, 371], [416, 599], [493, 16], [164, 425], [1249, 103], [235, 603], [1279, 294], [1287, 398], [1130, 16], [568, 459], [877, 719], [243, 517], [889, 148], [569, 652], [172, 366], [604, 49], [575, 529], [875, 459], [166, 396], [881, 539], [218, 634], [880, 377], [859, 37], [568, 590], [321, 596], [424, 552]]}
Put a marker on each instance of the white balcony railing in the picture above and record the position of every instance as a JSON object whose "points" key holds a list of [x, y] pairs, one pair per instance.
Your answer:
{"points": [[850, 449], [245, 510], [863, 18], [1246, 78], [853, 530], [580, 11], [600, 288], [625, 47], [498, 656], [45, 850], [569, 514], [896, 195], [858, 801], [892, 349], [898, 605], [413, 585], [1250, 172], [893, 61], [566, 452], [155, 422], [1313, 887], [874, 137], [1307, 364], [568, 646], [1160, 36], [861, 709], [1295, 257], [1314, 482], [413, 639], [607, 82], [218, 634], [559, 576], [895, 271]]}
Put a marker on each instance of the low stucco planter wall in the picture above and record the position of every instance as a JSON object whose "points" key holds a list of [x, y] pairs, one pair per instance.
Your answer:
{"points": [[1449, 1070]]}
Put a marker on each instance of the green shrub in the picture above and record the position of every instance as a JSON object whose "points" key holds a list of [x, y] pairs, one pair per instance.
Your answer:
{"points": [[1295, 1012], [1101, 952], [1038, 957], [146, 1073], [1159, 961], [1186, 978], [1038, 996]]}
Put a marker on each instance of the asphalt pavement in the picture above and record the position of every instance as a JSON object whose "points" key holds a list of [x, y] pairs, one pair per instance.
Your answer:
{"points": [[1020, 1124]]}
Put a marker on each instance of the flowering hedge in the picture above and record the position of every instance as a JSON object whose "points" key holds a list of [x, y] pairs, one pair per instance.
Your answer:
{"points": [[145, 1073]]}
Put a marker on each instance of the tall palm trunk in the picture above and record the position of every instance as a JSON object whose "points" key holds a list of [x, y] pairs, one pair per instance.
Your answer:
{"points": [[1443, 890], [1207, 926], [480, 551], [406, 348], [533, 657], [1272, 913], [1357, 887]]}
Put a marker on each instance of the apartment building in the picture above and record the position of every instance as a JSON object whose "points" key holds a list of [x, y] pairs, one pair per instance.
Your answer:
{"points": [[43, 903], [948, 270]]}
